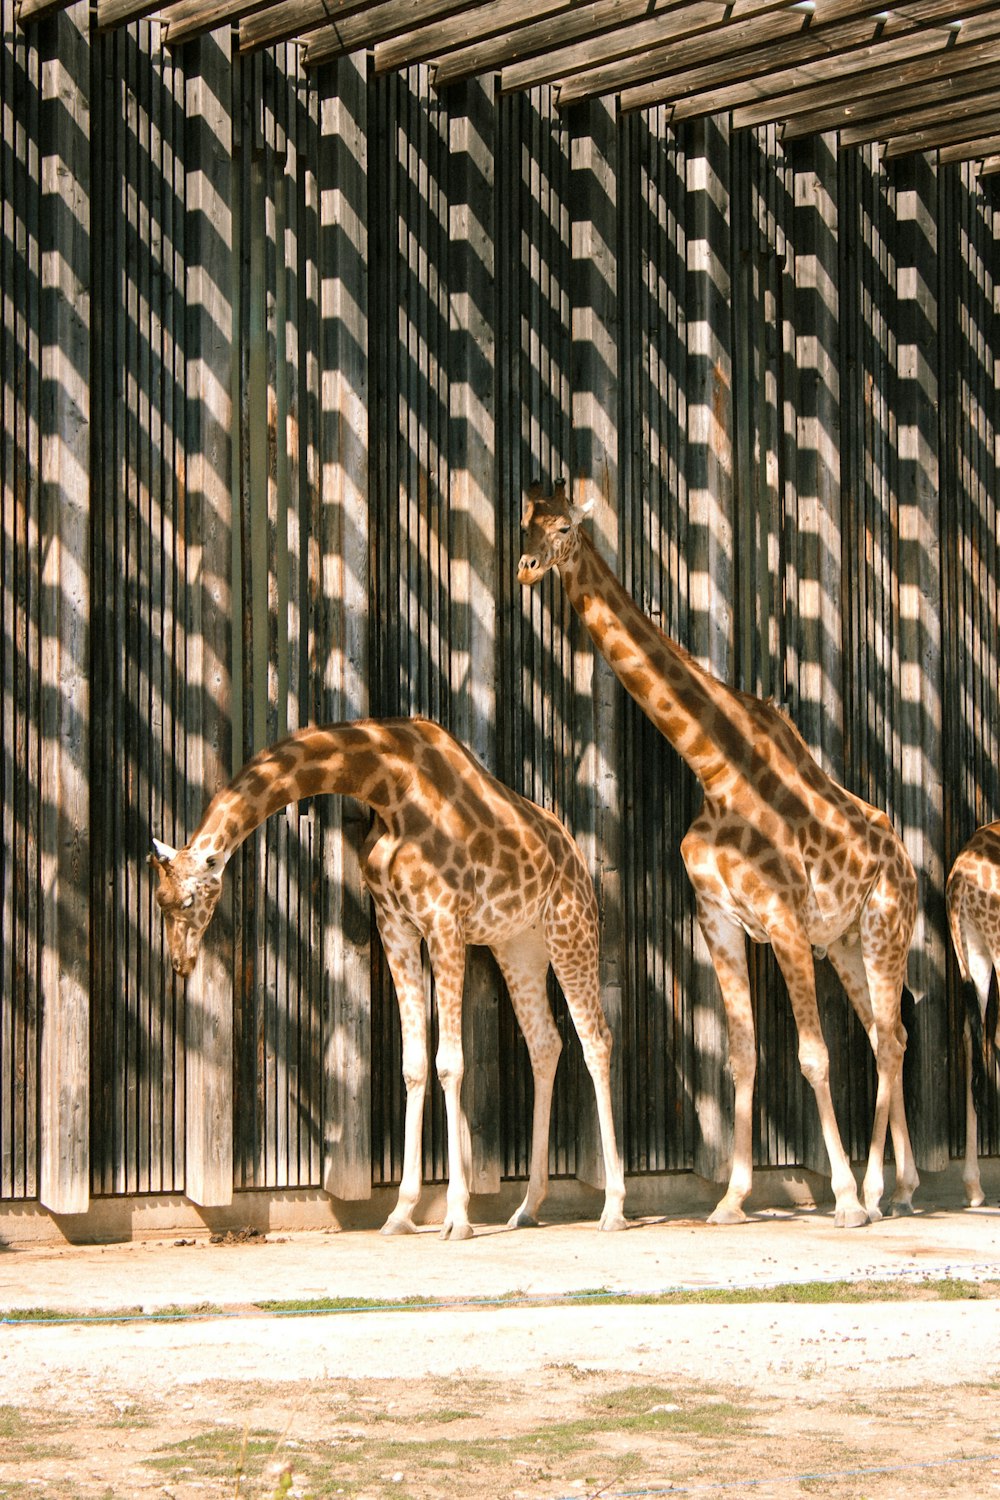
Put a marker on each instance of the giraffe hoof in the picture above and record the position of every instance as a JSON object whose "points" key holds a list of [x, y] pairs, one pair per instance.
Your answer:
{"points": [[460, 1231], [522, 1220], [975, 1200], [850, 1218], [399, 1226], [611, 1223], [874, 1213], [903, 1209], [727, 1213]]}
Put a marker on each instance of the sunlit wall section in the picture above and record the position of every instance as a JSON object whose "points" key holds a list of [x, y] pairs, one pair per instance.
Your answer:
{"points": [[408, 245], [970, 544], [658, 798], [139, 710], [278, 1012], [20, 95], [540, 640]]}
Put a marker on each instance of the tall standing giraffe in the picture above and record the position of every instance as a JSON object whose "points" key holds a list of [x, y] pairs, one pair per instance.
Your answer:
{"points": [[454, 857], [779, 852], [972, 896]]}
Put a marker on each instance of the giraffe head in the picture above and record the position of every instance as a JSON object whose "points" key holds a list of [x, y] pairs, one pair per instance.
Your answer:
{"points": [[187, 893], [550, 525]]}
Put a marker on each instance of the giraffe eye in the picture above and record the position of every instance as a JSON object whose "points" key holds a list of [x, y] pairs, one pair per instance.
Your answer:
{"points": [[188, 902]]}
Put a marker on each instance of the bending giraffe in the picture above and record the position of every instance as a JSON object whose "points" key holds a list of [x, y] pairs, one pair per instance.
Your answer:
{"points": [[779, 852], [454, 857], [972, 896]]}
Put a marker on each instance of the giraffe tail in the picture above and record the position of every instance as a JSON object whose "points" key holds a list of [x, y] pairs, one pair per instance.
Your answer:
{"points": [[911, 1082], [974, 1019]]}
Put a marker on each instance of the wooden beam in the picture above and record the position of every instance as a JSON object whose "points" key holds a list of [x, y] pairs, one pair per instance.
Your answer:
{"points": [[343, 646], [472, 549], [64, 616], [659, 33], [373, 23], [819, 87], [190, 18], [927, 128], [544, 34], [761, 44], [982, 146], [27, 11], [946, 95], [208, 561], [718, 87], [498, 22], [906, 142], [989, 166], [111, 13]]}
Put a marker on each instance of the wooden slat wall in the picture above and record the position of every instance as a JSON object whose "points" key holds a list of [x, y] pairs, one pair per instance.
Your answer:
{"points": [[138, 719], [20, 277], [775, 370], [278, 1062]]}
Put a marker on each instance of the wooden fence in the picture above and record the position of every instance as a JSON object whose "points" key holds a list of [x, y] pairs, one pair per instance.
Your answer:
{"points": [[280, 356]]}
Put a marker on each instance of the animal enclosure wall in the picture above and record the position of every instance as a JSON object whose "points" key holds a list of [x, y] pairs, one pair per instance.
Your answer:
{"points": [[281, 354]]}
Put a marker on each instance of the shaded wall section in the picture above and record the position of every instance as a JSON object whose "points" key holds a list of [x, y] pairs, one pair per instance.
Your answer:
{"points": [[335, 327]]}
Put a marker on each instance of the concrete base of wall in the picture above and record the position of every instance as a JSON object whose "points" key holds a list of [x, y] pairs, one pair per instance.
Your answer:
{"points": [[683, 1193]]}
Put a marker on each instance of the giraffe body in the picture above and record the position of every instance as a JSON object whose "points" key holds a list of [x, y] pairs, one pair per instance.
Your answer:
{"points": [[972, 897], [454, 857], [779, 852]]}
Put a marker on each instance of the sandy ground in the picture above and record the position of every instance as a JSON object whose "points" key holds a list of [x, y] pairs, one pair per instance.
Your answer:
{"points": [[782, 1354]]}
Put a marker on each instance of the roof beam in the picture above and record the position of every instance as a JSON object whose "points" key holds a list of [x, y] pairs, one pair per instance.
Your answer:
{"points": [[952, 122], [760, 44], [713, 88], [970, 150], [497, 22], [818, 91], [861, 105], [189, 18], [989, 166], [375, 23], [27, 11], [582, 40], [934, 137], [543, 35], [112, 13]]}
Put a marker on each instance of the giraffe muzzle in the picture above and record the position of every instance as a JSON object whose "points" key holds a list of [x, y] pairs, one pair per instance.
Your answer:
{"points": [[528, 570]]}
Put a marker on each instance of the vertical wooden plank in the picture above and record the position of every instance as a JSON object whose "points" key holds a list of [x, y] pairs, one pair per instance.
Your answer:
{"points": [[65, 617], [815, 579], [709, 632], [472, 547], [208, 557], [595, 404], [921, 810], [343, 659]]}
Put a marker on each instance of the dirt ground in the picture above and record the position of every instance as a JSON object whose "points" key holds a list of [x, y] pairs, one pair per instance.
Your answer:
{"points": [[499, 1388]]}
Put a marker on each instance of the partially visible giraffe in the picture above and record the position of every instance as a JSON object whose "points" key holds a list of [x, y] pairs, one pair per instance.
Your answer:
{"points": [[972, 896], [454, 857], [779, 852]]}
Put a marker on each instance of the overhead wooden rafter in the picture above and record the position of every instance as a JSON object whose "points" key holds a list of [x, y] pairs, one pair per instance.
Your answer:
{"points": [[915, 75]]}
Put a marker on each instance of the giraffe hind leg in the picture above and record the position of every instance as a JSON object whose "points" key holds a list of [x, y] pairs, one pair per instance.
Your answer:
{"points": [[524, 963]]}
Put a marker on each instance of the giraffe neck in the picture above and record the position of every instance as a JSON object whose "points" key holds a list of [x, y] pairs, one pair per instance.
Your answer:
{"points": [[705, 721], [366, 761]]}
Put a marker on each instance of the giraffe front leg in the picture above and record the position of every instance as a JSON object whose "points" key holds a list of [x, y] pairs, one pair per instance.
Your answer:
{"points": [[726, 942], [402, 951], [971, 1181], [794, 954], [524, 963], [446, 948]]}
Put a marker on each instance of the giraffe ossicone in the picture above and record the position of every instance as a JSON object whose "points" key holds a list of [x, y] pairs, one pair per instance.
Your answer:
{"points": [[972, 899], [454, 857], [779, 852]]}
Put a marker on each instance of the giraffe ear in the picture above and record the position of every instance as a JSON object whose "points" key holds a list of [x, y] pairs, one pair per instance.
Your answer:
{"points": [[580, 512], [163, 853], [528, 512]]}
